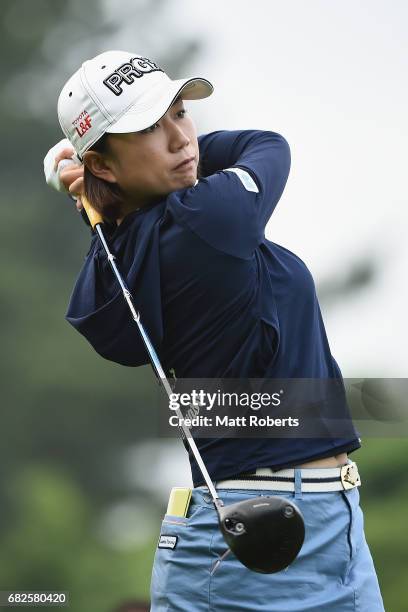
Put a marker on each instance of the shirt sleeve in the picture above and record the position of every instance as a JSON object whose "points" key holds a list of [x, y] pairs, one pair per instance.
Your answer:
{"points": [[243, 175], [97, 308]]}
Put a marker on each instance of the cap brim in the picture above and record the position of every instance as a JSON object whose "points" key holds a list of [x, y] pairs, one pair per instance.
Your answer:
{"points": [[145, 113]]}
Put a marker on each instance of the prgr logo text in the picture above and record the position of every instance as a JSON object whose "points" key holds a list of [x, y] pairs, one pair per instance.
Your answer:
{"points": [[127, 73]]}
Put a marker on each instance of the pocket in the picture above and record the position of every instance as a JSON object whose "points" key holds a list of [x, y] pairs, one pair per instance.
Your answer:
{"points": [[349, 532], [182, 521], [179, 552], [177, 531]]}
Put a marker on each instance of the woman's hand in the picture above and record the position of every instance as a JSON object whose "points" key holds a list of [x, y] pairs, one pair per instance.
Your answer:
{"points": [[71, 175]]}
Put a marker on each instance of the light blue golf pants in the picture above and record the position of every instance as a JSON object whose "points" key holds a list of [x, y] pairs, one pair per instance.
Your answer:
{"points": [[333, 572]]}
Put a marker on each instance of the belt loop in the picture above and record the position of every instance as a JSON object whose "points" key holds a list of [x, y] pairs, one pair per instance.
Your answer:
{"points": [[298, 483]]}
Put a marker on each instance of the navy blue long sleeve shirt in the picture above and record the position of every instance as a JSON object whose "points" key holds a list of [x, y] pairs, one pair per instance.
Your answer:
{"points": [[217, 298]]}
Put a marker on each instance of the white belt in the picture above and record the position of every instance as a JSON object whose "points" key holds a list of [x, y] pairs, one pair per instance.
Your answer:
{"points": [[313, 480]]}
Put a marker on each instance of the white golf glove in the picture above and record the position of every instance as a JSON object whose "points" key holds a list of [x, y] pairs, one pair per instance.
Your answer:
{"points": [[51, 173]]}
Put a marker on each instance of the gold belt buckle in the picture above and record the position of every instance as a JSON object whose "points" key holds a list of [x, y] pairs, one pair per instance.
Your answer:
{"points": [[349, 475]]}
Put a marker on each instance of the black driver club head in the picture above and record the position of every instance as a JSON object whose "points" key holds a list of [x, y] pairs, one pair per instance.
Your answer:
{"points": [[264, 533]]}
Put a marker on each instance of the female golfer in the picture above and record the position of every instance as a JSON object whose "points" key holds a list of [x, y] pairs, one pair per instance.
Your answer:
{"points": [[186, 219]]}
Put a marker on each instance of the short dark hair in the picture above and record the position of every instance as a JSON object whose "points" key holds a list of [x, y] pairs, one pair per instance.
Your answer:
{"points": [[106, 198]]}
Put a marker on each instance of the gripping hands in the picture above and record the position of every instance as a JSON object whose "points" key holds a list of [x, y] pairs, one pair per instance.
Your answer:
{"points": [[64, 172]]}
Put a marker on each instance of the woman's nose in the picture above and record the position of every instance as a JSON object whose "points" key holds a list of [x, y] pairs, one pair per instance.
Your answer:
{"points": [[178, 138]]}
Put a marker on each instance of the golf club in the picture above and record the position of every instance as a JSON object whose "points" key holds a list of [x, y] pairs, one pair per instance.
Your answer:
{"points": [[265, 533]]}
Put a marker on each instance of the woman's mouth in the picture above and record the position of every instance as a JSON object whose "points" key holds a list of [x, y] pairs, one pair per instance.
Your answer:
{"points": [[186, 164]]}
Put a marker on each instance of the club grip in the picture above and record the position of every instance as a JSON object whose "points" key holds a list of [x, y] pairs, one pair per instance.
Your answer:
{"points": [[93, 216]]}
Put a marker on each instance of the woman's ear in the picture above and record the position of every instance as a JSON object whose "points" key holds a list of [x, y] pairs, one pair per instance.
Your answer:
{"points": [[99, 166]]}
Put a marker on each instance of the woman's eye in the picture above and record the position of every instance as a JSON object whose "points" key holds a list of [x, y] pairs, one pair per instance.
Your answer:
{"points": [[150, 129]]}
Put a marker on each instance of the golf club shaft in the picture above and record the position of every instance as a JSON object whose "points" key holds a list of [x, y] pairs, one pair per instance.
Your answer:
{"points": [[96, 221]]}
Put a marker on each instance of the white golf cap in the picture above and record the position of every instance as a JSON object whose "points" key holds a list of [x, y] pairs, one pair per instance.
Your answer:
{"points": [[119, 92]]}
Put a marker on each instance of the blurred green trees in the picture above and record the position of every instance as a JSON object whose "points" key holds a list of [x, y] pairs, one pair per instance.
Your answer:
{"points": [[50, 544]]}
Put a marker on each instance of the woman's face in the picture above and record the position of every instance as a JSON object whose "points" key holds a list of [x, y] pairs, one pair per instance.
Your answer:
{"points": [[146, 164]]}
